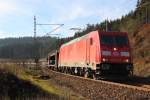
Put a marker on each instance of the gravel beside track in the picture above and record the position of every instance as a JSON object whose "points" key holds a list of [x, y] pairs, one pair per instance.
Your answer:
{"points": [[98, 89]]}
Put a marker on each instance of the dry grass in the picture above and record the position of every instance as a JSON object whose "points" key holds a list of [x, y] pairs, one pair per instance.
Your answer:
{"points": [[141, 51], [26, 80]]}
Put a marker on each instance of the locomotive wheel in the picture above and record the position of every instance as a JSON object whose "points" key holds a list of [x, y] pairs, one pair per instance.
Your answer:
{"points": [[81, 72], [65, 70], [94, 76], [86, 74], [131, 74], [72, 71]]}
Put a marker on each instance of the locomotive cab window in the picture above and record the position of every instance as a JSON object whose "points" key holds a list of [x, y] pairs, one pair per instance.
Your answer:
{"points": [[121, 41], [106, 40], [114, 40]]}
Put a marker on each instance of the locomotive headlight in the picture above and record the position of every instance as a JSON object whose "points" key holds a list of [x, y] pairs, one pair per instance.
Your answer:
{"points": [[106, 53], [127, 60], [104, 59], [125, 54]]}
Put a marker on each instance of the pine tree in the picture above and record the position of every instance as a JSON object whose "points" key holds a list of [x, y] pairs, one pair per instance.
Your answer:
{"points": [[145, 1], [138, 3]]}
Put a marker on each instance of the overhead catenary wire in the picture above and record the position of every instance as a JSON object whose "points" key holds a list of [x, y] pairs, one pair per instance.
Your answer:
{"points": [[43, 24]]}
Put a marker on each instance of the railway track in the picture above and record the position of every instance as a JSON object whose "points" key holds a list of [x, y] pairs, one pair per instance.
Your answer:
{"points": [[138, 81], [99, 89]]}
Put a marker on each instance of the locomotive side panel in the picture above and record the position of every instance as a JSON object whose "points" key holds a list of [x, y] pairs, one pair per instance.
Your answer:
{"points": [[81, 52], [73, 54], [94, 47], [97, 54]]}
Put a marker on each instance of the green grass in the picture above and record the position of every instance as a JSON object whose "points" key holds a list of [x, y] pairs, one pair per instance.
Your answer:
{"points": [[34, 77]]}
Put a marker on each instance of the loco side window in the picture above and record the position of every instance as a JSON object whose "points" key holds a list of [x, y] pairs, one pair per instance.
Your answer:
{"points": [[91, 41]]}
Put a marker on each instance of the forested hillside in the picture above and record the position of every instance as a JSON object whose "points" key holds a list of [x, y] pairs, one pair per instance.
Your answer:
{"points": [[26, 47]]}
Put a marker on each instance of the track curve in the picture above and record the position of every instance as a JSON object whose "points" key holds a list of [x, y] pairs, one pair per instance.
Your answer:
{"points": [[99, 89]]}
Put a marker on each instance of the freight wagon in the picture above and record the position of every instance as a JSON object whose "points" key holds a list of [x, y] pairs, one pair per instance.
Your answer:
{"points": [[96, 54]]}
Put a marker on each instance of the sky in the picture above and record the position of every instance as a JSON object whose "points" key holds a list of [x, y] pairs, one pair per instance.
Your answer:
{"points": [[16, 16]]}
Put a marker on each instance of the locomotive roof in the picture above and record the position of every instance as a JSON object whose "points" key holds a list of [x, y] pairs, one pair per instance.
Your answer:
{"points": [[84, 36], [75, 40]]}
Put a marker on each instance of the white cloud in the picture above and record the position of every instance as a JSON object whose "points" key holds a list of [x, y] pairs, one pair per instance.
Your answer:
{"points": [[13, 8], [87, 8], [17, 15], [7, 7], [69, 11]]}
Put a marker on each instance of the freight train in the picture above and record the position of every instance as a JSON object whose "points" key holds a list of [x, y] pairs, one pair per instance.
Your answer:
{"points": [[96, 54]]}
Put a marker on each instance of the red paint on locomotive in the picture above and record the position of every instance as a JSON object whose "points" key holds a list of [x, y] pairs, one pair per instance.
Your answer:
{"points": [[99, 51]]}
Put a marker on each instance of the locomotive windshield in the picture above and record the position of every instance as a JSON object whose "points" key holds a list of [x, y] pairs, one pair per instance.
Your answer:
{"points": [[114, 40]]}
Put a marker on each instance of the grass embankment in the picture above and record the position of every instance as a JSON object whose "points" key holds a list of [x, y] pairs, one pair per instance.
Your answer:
{"points": [[18, 83]]}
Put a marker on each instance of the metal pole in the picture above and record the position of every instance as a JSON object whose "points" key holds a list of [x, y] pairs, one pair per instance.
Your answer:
{"points": [[34, 27], [39, 24], [106, 24], [36, 55]]}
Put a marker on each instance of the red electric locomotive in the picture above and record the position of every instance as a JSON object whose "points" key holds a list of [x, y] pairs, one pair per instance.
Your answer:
{"points": [[97, 54]]}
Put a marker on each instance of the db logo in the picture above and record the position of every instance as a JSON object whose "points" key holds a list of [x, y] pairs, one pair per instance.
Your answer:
{"points": [[116, 53]]}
